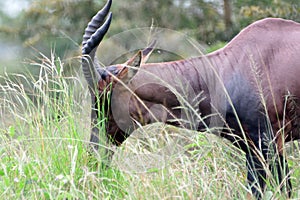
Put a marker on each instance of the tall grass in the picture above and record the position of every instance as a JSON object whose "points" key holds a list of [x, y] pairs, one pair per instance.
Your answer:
{"points": [[44, 132]]}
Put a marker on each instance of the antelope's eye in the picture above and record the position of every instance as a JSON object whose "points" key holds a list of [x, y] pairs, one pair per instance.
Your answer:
{"points": [[116, 71], [113, 69]]}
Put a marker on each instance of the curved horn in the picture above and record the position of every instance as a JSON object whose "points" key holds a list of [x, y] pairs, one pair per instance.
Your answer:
{"points": [[94, 40], [92, 37]]}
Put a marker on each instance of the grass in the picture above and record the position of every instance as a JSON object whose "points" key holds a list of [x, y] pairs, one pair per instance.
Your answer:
{"points": [[44, 132]]}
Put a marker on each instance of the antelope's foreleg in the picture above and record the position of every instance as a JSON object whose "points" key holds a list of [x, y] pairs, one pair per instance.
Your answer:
{"points": [[256, 173], [281, 174]]}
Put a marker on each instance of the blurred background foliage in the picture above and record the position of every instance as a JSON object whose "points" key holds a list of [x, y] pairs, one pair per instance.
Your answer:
{"points": [[56, 26]]}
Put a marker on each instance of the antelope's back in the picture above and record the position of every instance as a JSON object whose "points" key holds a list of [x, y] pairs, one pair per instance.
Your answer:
{"points": [[263, 64], [277, 42], [271, 49]]}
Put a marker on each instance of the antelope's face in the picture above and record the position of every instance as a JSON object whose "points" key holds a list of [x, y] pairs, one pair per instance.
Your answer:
{"points": [[123, 72], [101, 80], [110, 76]]}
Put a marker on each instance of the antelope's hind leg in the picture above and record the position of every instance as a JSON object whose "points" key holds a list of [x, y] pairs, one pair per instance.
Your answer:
{"points": [[265, 159]]}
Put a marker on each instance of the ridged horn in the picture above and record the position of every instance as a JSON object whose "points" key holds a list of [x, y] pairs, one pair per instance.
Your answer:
{"points": [[94, 33]]}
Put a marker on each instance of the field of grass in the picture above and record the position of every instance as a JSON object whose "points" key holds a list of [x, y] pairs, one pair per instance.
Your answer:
{"points": [[44, 133]]}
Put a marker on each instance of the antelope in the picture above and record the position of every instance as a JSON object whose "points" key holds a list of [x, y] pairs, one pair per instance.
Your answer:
{"points": [[253, 83]]}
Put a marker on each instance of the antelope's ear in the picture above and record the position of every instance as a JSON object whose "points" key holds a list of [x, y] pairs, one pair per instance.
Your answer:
{"points": [[136, 60], [130, 70], [142, 56], [147, 52]]}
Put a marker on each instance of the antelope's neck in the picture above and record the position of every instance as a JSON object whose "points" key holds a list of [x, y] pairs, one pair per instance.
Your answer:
{"points": [[197, 74]]}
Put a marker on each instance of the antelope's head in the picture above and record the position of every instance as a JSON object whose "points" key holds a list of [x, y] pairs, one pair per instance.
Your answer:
{"points": [[94, 33], [103, 79]]}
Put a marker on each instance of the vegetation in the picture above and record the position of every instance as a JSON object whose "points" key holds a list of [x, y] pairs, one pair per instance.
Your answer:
{"points": [[44, 126], [44, 154]]}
